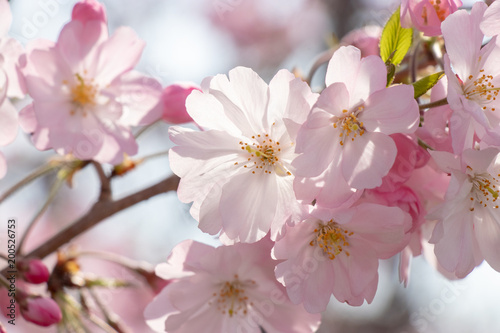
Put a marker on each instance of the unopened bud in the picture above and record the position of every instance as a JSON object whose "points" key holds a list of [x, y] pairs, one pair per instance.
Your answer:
{"points": [[42, 311], [174, 103], [34, 271], [89, 10]]}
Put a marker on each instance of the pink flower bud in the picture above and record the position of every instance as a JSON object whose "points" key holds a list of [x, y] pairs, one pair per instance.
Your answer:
{"points": [[366, 39], [427, 15], [34, 271], [89, 10], [174, 102], [42, 311]]}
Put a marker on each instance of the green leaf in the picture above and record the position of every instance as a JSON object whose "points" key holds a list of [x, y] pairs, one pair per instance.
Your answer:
{"points": [[395, 41], [423, 85]]}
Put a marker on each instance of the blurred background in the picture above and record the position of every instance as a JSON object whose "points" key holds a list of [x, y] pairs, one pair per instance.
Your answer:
{"points": [[189, 40]]}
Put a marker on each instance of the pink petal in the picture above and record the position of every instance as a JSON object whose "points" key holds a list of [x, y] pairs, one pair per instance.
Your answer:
{"points": [[78, 41], [457, 251], [45, 73], [361, 77], [253, 95], [487, 230], [237, 109], [3, 166], [334, 99], [490, 25], [318, 146], [159, 310], [336, 192], [480, 160], [294, 97], [446, 161], [140, 97], [391, 110], [14, 59], [5, 17], [9, 124], [197, 104], [382, 228], [367, 159], [463, 38], [192, 145], [117, 55], [250, 198]]}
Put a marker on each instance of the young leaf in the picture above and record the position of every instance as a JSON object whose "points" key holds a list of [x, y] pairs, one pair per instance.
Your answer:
{"points": [[426, 83], [395, 41]]}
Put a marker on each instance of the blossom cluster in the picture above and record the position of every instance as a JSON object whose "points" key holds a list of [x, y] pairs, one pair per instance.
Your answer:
{"points": [[341, 179], [307, 190]]}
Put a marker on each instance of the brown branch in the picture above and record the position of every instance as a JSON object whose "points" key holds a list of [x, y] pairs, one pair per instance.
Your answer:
{"points": [[106, 194], [100, 211]]}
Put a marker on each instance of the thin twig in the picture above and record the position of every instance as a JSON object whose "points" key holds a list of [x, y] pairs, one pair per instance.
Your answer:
{"points": [[414, 65], [435, 104], [131, 264], [323, 58], [52, 194], [437, 53], [31, 177], [111, 318], [145, 129]]}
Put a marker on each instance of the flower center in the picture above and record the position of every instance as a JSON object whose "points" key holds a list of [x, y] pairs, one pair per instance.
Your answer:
{"points": [[231, 298], [349, 126], [332, 239], [485, 189], [264, 155], [481, 90], [440, 12], [83, 93]]}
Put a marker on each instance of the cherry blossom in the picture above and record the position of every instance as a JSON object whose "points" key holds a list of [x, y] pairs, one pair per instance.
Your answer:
{"points": [[85, 94], [473, 80], [468, 229], [238, 170], [337, 253], [427, 15], [345, 139], [225, 289]]}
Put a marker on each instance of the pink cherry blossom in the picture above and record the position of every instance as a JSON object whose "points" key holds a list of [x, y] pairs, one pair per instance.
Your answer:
{"points": [[85, 94], [473, 80], [238, 170], [468, 228], [89, 10], [427, 15], [345, 140], [338, 254], [174, 102], [226, 289]]}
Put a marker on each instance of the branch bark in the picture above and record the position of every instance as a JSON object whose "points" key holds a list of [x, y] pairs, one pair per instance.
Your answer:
{"points": [[99, 211]]}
